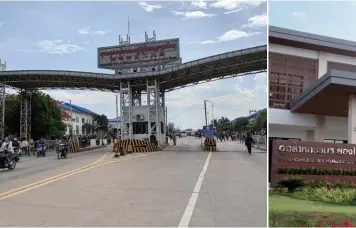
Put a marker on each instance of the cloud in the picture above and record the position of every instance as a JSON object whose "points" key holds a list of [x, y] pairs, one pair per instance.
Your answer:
{"points": [[256, 21], [149, 8], [59, 47], [235, 4], [199, 4], [88, 31], [299, 14], [2, 23], [232, 99], [229, 36], [193, 14]]}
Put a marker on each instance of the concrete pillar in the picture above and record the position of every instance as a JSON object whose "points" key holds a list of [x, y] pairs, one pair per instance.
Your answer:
{"points": [[351, 133], [322, 63], [319, 129], [309, 136]]}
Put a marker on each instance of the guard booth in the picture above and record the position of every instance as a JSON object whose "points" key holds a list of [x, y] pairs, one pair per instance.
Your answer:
{"points": [[209, 138]]}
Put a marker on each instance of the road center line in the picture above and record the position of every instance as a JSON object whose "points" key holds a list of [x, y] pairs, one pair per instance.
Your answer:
{"points": [[187, 215]]}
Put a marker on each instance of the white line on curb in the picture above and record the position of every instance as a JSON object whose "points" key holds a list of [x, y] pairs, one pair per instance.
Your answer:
{"points": [[187, 215]]}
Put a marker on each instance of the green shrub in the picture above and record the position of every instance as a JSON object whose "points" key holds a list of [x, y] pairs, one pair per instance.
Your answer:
{"points": [[292, 183], [337, 195]]}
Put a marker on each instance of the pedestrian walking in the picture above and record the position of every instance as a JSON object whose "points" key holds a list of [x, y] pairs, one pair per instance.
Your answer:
{"points": [[174, 137], [249, 142]]}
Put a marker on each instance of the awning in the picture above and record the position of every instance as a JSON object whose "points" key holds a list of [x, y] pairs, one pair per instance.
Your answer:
{"points": [[328, 96]]}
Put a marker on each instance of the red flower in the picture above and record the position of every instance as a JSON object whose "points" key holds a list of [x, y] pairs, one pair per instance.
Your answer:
{"points": [[314, 215], [326, 216]]}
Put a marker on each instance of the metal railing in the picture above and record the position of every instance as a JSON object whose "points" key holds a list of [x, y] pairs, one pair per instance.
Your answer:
{"points": [[260, 141]]}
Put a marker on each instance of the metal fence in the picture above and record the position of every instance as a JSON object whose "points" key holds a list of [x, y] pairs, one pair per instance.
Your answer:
{"points": [[260, 141]]}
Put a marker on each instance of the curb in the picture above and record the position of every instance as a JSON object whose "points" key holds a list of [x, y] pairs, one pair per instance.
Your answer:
{"points": [[89, 148], [163, 146]]}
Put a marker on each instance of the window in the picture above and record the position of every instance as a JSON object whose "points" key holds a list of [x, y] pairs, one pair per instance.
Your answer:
{"points": [[139, 127], [77, 119], [77, 129], [73, 120], [83, 120]]}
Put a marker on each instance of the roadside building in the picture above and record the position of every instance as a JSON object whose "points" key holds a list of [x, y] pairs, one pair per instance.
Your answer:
{"points": [[82, 119], [312, 105], [312, 80], [114, 123]]}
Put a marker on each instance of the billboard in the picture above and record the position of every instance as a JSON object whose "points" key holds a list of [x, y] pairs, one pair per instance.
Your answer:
{"points": [[139, 54]]}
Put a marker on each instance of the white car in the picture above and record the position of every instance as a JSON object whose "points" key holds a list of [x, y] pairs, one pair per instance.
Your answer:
{"points": [[183, 134]]}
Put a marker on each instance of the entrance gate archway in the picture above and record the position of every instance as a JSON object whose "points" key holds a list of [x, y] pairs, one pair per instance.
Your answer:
{"points": [[132, 85]]}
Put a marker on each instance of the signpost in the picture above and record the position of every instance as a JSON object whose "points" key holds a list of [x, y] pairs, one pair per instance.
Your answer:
{"points": [[209, 131]]}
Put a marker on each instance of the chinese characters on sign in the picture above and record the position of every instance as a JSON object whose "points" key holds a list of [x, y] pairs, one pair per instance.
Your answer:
{"points": [[139, 55]]}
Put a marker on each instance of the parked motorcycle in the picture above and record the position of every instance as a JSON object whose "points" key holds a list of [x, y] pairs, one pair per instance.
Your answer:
{"points": [[41, 151], [12, 160], [62, 151]]}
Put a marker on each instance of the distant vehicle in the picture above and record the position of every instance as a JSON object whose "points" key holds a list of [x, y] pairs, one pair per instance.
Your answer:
{"points": [[189, 133], [183, 134]]}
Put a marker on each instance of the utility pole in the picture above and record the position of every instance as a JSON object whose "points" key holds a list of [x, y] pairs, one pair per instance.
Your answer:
{"points": [[117, 116], [206, 118]]}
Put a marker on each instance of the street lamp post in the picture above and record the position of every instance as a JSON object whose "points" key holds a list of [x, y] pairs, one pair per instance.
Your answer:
{"points": [[212, 111]]}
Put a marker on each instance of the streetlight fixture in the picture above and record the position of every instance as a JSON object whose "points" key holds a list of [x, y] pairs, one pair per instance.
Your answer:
{"points": [[212, 111]]}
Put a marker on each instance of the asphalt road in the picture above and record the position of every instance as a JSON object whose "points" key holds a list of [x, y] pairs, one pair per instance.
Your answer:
{"points": [[179, 186]]}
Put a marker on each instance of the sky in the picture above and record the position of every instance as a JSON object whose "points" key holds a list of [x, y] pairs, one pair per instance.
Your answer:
{"points": [[66, 35], [328, 18]]}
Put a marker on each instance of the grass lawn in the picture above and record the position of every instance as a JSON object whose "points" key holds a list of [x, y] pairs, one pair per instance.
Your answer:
{"points": [[289, 212]]}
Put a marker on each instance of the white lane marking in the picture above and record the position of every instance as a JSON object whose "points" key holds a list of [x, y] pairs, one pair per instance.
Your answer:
{"points": [[187, 215]]}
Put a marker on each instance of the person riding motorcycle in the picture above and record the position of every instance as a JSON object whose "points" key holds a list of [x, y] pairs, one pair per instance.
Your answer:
{"points": [[4, 146], [41, 144], [15, 143]]}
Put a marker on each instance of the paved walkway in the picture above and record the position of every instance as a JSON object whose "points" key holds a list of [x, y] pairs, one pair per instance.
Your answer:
{"points": [[179, 186], [230, 146]]}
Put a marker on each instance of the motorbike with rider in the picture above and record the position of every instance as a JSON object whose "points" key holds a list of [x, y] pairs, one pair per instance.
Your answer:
{"points": [[7, 158], [62, 150], [41, 147]]}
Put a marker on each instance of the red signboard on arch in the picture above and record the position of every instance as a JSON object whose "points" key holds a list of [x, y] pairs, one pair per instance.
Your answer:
{"points": [[139, 54]]}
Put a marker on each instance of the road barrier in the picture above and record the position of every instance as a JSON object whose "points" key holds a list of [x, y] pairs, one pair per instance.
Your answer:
{"points": [[137, 146], [210, 144], [73, 146], [260, 142]]}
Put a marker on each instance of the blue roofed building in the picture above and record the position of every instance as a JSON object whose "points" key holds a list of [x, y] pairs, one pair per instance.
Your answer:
{"points": [[249, 117], [115, 123], [81, 118]]}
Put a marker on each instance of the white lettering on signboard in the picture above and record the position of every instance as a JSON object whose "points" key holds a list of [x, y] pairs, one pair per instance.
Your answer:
{"points": [[317, 150], [139, 55]]}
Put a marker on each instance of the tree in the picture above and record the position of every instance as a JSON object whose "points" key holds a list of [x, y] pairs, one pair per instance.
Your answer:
{"points": [[170, 127], [102, 123], [240, 123], [261, 121], [46, 118]]}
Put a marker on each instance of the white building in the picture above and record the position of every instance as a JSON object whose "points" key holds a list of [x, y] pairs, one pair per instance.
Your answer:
{"points": [[114, 123], [82, 119], [312, 84]]}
